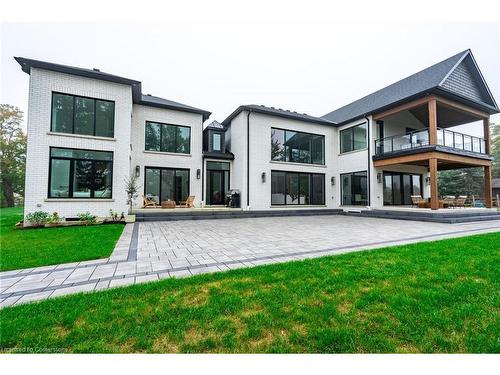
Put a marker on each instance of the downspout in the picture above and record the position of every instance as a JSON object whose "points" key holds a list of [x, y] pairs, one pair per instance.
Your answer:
{"points": [[368, 169], [248, 159]]}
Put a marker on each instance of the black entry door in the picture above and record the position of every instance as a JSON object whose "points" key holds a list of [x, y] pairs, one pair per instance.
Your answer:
{"points": [[216, 190], [399, 187]]}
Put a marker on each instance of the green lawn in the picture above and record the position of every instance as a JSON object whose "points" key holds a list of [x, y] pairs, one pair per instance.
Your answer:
{"points": [[24, 248], [438, 296]]}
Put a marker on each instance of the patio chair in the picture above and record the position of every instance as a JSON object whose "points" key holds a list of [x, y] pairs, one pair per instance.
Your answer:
{"points": [[188, 203], [416, 199], [149, 202], [460, 201], [449, 200]]}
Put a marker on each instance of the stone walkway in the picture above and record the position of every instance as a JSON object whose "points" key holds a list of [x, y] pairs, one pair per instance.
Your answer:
{"points": [[156, 250]]}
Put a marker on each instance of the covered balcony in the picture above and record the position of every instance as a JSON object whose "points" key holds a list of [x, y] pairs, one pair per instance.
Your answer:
{"points": [[435, 133]]}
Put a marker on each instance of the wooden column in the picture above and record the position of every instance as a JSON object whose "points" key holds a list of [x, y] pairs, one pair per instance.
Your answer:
{"points": [[488, 193], [434, 184], [432, 106], [487, 141]]}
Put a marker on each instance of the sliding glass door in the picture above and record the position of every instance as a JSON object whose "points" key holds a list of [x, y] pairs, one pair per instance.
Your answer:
{"points": [[399, 187], [164, 184]]}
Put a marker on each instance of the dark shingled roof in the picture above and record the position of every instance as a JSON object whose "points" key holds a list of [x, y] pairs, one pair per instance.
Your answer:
{"points": [[277, 112], [429, 80], [138, 98]]}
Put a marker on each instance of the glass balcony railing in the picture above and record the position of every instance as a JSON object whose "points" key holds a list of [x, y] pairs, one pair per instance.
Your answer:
{"points": [[420, 138]]}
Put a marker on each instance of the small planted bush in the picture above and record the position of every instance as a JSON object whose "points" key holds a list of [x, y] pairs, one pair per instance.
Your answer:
{"points": [[87, 218], [115, 216], [38, 218], [54, 218]]}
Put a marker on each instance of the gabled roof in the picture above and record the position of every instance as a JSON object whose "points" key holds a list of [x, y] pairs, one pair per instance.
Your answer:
{"points": [[457, 77], [277, 112], [138, 98], [215, 125], [155, 101]]}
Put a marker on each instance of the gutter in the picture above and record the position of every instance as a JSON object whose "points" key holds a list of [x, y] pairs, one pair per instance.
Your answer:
{"points": [[368, 169]]}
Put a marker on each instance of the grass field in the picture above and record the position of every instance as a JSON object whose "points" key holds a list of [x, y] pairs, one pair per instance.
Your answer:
{"points": [[24, 248], [431, 297]]}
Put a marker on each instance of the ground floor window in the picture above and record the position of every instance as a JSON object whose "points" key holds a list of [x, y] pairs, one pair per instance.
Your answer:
{"points": [[354, 189], [399, 187], [75, 173], [164, 184], [294, 188], [217, 182]]}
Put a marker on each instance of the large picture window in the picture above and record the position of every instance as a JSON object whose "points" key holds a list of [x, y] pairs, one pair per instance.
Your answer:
{"points": [[353, 138], [354, 189], [164, 184], [80, 115], [76, 173], [168, 138], [297, 147], [293, 188]]}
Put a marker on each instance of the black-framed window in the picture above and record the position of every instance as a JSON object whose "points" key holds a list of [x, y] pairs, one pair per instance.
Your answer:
{"points": [[167, 138], [297, 147], [353, 138], [399, 187], [217, 141], [297, 188], [76, 173], [81, 115], [354, 188], [164, 184]]}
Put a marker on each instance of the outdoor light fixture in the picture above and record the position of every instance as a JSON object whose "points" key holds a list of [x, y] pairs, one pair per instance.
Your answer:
{"points": [[428, 180], [379, 178], [332, 180], [263, 177], [198, 173], [137, 171]]}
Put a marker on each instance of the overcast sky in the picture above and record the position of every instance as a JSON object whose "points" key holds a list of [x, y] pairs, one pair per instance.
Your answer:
{"points": [[310, 66]]}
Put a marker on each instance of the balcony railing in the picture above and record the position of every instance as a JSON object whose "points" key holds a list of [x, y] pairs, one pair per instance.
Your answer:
{"points": [[420, 138]]}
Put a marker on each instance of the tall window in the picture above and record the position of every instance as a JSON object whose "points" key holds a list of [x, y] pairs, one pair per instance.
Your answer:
{"points": [[164, 184], [79, 115], [354, 189], [168, 138], [293, 188], [76, 173], [216, 142], [353, 138], [297, 147]]}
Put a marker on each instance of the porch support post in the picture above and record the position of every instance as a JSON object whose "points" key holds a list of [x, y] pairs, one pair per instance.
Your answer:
{"points": [[487, 142], [432, 121], [488, 194], [434, 184]]}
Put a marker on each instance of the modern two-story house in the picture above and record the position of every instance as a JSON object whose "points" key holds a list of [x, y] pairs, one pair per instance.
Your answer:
{"points": [[88, 131]]}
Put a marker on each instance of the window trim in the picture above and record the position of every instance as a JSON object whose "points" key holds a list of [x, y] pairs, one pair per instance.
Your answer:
{"points": [[351, 128], [74, 96], [175, 183], [71, 173], [341, 188], [286, 190], [299, 162], [162, 124]]}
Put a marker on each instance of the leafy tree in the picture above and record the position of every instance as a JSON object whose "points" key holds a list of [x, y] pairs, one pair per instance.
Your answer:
{"points": [[12, 154], [495, 149], [464, 181]]}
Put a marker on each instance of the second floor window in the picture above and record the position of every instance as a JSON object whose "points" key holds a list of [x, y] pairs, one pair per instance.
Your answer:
{"points": [[297, 147], [353, 138], [216, 142], [80, 115], [168, 138]]}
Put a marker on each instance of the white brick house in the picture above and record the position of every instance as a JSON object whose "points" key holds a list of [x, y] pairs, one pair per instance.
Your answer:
{"points": [[88, 131]]}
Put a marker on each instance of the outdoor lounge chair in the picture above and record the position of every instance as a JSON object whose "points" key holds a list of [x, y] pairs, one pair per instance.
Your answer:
{"points": [[416, 199], [188, 203], [460, 201], [450, 201], [149, 202]]}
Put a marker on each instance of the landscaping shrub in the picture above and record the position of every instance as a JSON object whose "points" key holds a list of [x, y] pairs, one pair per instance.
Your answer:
{"points": [[38, 218], [87, 218]]}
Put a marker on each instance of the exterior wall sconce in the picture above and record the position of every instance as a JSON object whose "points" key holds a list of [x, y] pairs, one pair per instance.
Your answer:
{"points": [[379, 178], [332, 180], [137, 171], [198, 173], [428, 180], [263, 177]]}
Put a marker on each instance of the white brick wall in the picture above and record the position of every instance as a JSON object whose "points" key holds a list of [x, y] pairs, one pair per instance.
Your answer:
{"points": [[142, 158], [42, 83]]}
